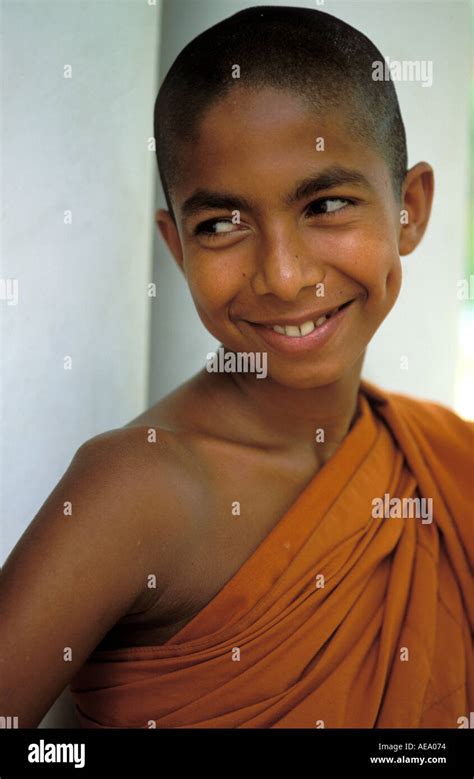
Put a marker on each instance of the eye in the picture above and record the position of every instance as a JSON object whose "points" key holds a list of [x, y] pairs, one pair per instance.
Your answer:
{"points": [[327, 206], [205, 228], [330, 205]]}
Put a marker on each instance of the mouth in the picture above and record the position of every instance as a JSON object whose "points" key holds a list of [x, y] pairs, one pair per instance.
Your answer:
{"points": [[301, 329], [303, 336]]}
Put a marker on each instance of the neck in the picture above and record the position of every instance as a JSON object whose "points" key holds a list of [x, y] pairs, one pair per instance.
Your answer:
{"points": [[279, 417]]}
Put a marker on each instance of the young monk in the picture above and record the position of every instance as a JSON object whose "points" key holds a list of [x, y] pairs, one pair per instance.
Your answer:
{"points": [[288, 550]]}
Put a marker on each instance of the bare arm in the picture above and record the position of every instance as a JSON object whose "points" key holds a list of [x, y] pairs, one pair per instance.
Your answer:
{"points": [[71, 576]]}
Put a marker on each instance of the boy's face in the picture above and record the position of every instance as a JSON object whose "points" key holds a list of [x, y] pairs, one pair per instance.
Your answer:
{"points": [[275, 264]]}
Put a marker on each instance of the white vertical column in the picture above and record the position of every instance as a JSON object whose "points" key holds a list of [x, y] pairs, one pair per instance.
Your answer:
{"points": [[78, 86]]}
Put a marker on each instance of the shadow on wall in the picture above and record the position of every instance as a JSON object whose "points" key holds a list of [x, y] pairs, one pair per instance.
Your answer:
{"points": [[62, 713]]}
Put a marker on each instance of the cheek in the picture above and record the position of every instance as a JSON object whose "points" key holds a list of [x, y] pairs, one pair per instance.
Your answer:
{"points": [[371, 259], [213, 281]]}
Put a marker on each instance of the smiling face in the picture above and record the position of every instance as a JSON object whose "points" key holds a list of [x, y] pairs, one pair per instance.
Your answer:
{"points": [[319, 227]]}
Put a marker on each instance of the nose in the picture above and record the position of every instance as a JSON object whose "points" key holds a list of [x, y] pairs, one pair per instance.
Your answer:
{"points": [[284, 268]]}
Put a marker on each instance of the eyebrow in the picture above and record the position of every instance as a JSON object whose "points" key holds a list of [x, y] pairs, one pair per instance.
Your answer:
{"points": [[333, 176]]}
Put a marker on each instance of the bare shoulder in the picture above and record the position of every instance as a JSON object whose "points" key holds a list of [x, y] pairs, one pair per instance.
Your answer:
{"points": [[134, 445], [82, 562], [157, 479], [127, 506]]}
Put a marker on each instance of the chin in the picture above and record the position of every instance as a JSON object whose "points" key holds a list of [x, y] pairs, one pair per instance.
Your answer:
{"points": [[309, 378]]}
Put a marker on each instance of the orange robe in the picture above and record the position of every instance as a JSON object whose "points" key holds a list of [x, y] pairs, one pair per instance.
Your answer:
{"points": [[338, 619]]}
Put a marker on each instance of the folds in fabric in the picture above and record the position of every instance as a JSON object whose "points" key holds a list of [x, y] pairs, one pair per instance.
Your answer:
{"points": [[339, 618]]}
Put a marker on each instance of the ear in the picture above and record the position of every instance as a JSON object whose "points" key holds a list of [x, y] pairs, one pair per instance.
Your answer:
{"points": [[417, 198], [169, 232]]}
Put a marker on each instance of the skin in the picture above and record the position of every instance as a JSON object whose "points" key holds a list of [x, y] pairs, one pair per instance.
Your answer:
{"points": [[268, 266], [59, 586]]}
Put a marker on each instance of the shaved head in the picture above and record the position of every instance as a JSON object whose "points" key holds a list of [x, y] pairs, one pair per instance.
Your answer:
{"points": [[313, 55]]}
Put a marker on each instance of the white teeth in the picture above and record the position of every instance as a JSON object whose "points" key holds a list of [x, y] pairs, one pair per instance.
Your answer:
{"points": [[306, 328], [295, 331], [292, 330]]}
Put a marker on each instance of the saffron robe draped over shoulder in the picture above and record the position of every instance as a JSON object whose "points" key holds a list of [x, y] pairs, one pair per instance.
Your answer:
{"points": [[339, 618]]}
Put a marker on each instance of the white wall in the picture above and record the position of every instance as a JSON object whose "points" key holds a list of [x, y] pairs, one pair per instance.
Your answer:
{"points": [[78, 144], [423, 324]]}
